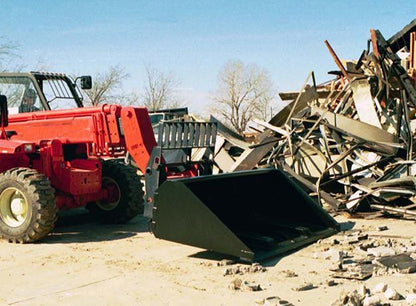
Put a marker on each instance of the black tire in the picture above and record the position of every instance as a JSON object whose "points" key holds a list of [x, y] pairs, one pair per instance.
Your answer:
{"points": [[27, 205], [128, 203]]}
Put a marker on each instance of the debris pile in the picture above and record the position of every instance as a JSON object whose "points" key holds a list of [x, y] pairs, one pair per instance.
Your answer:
{"points": [[349, 141]]}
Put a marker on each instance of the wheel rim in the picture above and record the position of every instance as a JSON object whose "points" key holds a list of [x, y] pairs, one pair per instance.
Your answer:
{"points": [[114, 194], [14, 208]]}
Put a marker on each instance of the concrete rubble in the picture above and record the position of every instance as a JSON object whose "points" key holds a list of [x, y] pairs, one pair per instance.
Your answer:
{"points": [[304, 287], [240, 269], [275, 301], [381, 295], [239, 284]]}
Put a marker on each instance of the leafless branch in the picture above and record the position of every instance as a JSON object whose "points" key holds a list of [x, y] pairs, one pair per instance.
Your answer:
{"points": [[104, 85], [244, 92], [159, 90]]}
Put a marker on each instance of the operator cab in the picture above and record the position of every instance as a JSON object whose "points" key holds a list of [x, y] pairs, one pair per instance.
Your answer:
{"points": [[40, 91]]}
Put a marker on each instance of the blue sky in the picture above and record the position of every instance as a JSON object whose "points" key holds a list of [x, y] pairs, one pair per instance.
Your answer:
{"points": [[194, 39]]}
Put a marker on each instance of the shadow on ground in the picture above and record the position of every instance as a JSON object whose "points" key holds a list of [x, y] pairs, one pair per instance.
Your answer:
{"points": [[211, 255], [78, 226], [346, 226], [268, 262]]}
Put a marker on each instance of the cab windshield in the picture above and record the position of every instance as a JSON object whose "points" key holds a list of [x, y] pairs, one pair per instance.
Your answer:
{"points": [[21, 94]]}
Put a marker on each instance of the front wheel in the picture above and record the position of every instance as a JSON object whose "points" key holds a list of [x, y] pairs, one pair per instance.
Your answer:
{"points": [[125, 194], [27, 205]]}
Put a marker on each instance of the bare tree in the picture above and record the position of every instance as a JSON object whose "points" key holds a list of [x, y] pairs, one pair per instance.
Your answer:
{"points": [[159, 90], [266, 108], [244, 92], [104, 86], [7, 54], [131, 98]]}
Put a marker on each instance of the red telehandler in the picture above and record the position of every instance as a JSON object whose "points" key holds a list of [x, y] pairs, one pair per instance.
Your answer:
{"points": [[27, 206], [57, 142], [77, 148]]}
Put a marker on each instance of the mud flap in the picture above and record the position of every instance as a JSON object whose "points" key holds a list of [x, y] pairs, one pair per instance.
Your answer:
{"points": [[252, 215]]}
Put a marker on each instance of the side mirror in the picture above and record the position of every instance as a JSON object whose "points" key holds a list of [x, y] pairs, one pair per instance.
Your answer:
{"points": [[4, 113], [86, 82]]}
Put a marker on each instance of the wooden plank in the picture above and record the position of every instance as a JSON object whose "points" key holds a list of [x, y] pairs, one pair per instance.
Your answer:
{"points": [[337, 60]]}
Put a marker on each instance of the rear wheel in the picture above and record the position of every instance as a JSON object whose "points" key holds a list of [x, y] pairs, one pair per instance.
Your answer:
{"points": [[27, 205], [125, 190]]}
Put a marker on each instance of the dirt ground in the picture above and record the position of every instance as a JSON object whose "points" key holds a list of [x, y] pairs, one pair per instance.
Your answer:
{"points": [[86, 263]]}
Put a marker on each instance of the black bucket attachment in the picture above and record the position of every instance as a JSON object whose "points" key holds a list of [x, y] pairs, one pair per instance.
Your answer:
{"points": [[249, 214]]}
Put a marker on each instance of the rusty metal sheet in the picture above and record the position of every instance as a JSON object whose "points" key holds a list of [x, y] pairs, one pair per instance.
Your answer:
{"points": [[337, 60], [374, 137]]}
